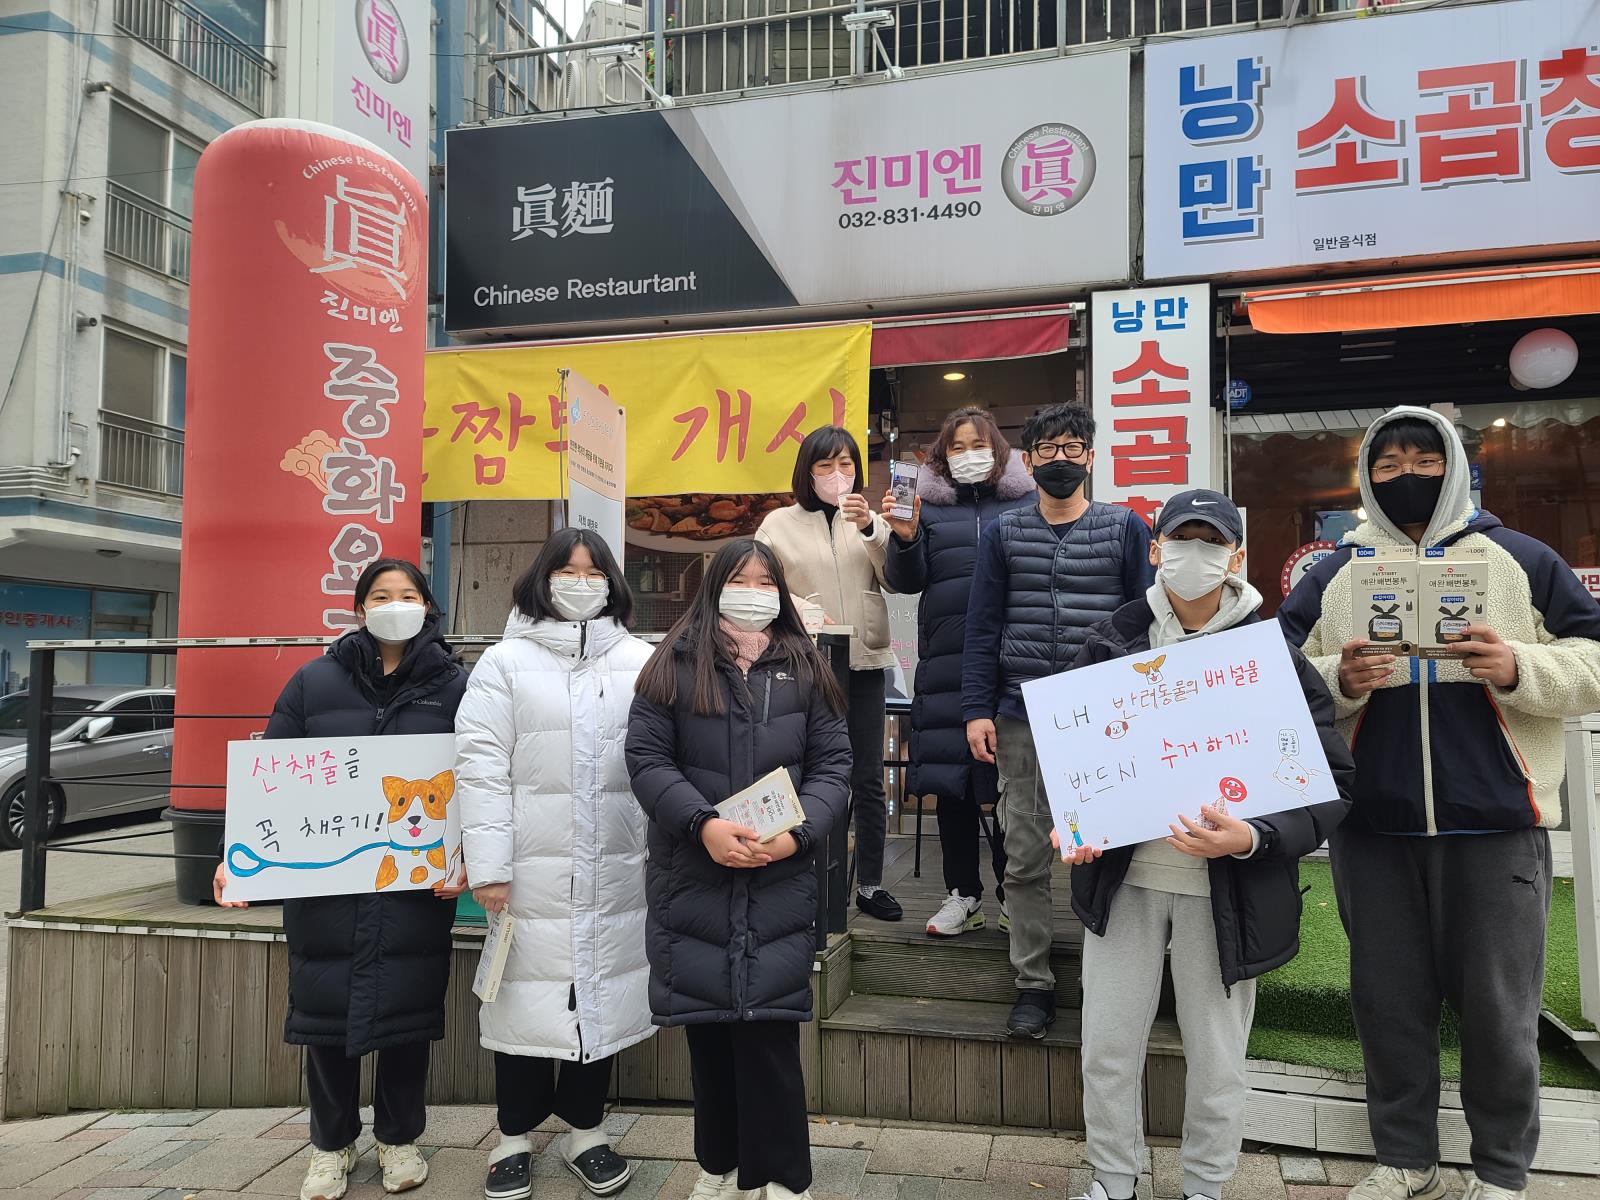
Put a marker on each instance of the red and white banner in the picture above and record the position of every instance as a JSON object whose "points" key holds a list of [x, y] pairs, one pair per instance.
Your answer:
{"points": [[1151, 387], [303, 460]]}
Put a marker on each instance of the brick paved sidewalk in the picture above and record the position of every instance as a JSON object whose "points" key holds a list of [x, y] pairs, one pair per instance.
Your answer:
{"points": [[262, 1152]]}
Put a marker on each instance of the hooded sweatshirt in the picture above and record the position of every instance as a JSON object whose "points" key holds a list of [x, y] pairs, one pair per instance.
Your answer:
{"points": [[1438, 751], [1156, 865]]}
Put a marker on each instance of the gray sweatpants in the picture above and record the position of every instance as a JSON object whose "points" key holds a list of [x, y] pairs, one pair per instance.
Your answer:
{"points": [[1023, 811], [1121, 988], [1458, 918]]}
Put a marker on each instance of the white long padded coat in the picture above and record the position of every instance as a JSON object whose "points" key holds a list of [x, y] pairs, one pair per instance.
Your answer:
{"points": [[546, 804]]}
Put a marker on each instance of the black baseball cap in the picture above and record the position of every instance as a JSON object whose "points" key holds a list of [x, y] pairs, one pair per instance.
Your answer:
{"points": [[1202, 504]]}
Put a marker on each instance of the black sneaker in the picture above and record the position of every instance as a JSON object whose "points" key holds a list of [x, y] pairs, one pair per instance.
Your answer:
{"points": [[1032, 1014], [880, 905], [603, 1171], [510, 1178]]}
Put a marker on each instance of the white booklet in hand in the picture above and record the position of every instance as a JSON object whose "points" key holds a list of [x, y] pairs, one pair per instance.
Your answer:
{"points": [[770, 806], [496, 948]]}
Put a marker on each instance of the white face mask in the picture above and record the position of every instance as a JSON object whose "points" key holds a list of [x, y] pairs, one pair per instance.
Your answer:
{"points": [[747, 608], [1193, 569], [834, 486], [396, 623], [971, 466], [579, 599]]}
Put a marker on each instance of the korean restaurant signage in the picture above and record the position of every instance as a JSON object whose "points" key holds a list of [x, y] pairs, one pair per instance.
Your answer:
{"points": [[1151, 368], [1470, 128], [1004, 181], [597, 460], [364, 66], [718, 413]]}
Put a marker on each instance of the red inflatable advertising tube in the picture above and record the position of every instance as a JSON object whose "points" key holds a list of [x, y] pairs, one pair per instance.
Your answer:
{"points": [[303, 459]]}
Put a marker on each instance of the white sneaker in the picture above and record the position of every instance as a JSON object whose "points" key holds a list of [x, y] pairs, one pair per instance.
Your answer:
{"points": [[776, 1191], [956, 916], [404, 1167], [329, 1174], [719, 1187], [1005, 918], [1397, 1183], [1477, 1189]]}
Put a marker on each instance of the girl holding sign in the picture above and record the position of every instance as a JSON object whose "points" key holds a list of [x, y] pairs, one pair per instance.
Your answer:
{"points": [[1224, 892], [367, 973], [735, 692], [555, 841]]}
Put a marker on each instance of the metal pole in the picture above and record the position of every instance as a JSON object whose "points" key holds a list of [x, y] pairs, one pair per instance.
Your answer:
{"points": [[41, 699], [659, 21]]}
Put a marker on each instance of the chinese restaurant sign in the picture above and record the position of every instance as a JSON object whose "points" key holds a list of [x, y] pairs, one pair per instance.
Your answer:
{"points": [[1152, 394], [1125, 746], [1409, 134], [720, 413], [310, 817], [303, 459], [1007, 181], [597, 438]]}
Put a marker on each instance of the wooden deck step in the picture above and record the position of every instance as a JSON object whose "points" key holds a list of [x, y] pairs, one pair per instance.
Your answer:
{"points": [[908, 1058]]}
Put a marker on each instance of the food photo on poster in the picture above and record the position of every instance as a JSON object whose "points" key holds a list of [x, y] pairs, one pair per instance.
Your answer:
{"points": [[1127, 746]]}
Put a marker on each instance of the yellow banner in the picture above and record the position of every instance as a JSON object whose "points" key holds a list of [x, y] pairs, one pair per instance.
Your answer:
{"points": [[718, 413]]}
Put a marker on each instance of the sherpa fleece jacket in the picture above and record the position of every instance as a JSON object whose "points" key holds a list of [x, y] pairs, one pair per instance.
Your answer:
{"points": [[1438, 751]]}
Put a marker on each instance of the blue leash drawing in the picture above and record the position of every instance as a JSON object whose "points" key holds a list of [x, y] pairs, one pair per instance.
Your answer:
{"points": [[255, 864]]}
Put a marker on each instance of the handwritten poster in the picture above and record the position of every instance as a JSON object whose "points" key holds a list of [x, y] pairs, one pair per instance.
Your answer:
{"points": [[313, 817], [1127, 745]]}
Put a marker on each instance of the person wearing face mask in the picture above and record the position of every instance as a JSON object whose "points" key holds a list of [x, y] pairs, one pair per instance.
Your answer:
{"points": [[969, 479], [544, 796], [734, 692], [832, 546], [1045, 573], [367, 973], [1443, 871], [1227, 899]]}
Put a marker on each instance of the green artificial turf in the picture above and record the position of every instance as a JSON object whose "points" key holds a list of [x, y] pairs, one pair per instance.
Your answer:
{"points": [[1303, 1008]]}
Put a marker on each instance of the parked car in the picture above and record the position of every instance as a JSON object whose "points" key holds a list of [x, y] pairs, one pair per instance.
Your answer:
{"points": [[98, 732]]}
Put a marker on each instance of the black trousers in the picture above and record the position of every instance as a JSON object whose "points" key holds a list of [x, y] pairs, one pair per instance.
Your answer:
{"points": [[960, 835], [866, 774], [333, 1085], [750, 1103], [529, 1091]]}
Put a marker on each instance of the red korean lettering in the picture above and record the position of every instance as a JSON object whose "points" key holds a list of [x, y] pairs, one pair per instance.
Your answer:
{"points": [[791, 428], [1151, 368], [1480, 133], [479, 421], [558, 422], [1145, 507], [1148, 459], [518, 421], [733, 420], [1570, 107], [1348, 131], [488, 472]]}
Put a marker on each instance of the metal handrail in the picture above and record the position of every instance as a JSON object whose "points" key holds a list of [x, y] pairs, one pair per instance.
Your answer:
{"points": [[141, 454], [146, 232], [201, 46]]}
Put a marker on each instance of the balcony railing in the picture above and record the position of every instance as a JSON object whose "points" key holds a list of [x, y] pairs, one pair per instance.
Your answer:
{"points": [[146, 233], [141, 454], [195, 42], [716, 46]]}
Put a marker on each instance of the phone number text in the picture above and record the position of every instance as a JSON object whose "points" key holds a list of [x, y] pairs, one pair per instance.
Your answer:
{"points": [[910, 216]]}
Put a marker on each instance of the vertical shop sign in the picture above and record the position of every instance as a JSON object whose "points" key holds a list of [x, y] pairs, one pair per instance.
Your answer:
{"points": [[597, 440], [1151, 387]]}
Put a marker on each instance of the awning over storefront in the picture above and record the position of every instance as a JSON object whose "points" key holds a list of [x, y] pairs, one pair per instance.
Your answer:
{"points": [[1440, 298], [981, 336]]}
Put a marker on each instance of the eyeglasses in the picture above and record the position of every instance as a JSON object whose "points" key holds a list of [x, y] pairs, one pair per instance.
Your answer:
{"points": [[1423, 466], [1045, 451]]}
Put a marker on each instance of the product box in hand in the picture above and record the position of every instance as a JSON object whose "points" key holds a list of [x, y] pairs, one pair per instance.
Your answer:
{"points": [[496, 949], [1452, 593], [770, 806], [903, 487], [1383, 584]]}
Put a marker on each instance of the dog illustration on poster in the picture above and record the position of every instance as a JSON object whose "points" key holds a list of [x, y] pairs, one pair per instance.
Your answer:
{"points": [[417, 812]]}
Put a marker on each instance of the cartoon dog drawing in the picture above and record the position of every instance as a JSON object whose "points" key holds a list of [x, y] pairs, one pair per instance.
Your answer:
{"points": [[1151, 670], [416, 828], [1293, 776]]}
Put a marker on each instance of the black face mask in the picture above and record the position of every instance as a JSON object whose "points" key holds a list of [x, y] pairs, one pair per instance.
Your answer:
{"points": [[1409, 499], [1060, 478]]}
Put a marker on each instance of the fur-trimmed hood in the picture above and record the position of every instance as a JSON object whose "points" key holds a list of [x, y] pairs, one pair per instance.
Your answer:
{"points": [[935, 487]]}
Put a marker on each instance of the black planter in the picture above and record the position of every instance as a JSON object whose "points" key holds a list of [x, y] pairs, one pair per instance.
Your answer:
{"points": [[195, 833]]}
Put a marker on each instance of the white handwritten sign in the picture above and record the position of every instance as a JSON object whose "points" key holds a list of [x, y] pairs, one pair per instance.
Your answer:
{"points": [[1125, 746], [313, 817]]}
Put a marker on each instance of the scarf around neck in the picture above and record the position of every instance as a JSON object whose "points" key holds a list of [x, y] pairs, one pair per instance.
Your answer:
{"points": [[748, 646]]}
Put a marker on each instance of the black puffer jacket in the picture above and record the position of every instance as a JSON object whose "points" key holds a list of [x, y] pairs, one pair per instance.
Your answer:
{"points": [[369, 971], [1255, 902], [938, 563], [729, 944]]}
